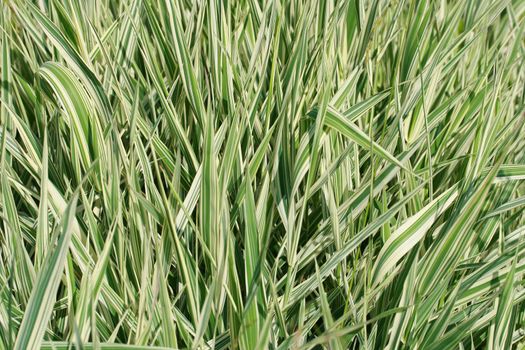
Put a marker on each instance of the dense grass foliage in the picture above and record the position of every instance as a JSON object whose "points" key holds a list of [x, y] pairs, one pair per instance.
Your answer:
{"points": [[249, 174]]}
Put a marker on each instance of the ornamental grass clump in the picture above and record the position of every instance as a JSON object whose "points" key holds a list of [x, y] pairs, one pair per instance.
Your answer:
{"points": [[249, 174]]}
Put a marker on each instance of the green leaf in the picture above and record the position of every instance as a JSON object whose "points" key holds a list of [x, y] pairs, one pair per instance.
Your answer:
{"points": [[43, 296]]}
